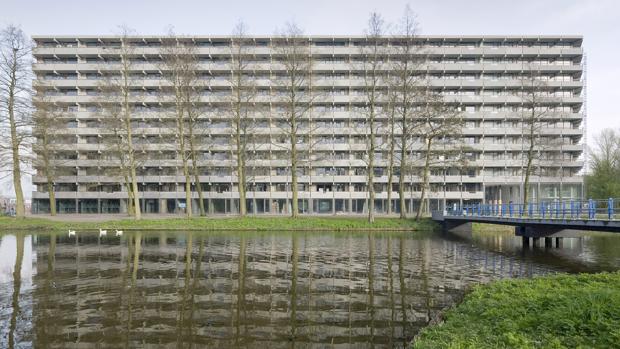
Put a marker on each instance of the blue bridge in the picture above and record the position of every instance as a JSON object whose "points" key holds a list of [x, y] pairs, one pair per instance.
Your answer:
{"points": [[545, 219]]}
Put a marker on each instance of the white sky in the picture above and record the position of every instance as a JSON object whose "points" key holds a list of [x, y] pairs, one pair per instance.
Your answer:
{"points": [[596, 20]]}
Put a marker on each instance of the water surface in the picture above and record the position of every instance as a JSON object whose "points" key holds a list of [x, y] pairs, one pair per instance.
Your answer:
{"points": [[266, 290]]}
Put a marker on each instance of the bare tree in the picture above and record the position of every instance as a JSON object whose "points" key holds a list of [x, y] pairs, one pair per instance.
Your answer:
{"points": [[15, 109], [533, 114], [391, 144], [47, 128], [405, 85], [180, 67], [196, 123], [372, 52], [440, 126], [115, 145], [295, 98], [240, 107], [118, 108]]}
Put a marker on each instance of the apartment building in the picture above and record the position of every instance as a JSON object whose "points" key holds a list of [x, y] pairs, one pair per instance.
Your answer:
{"points": [[479, 75]]}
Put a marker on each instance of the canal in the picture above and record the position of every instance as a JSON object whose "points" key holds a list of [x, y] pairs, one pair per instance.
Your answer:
{"points": [[266, 290]]}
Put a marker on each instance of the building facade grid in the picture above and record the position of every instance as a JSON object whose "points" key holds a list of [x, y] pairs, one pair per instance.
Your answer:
{"points": [[479, 74]]}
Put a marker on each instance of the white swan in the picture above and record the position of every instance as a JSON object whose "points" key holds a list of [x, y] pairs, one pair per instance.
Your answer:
{"points": [[119, 232], [71, 232], [102, 232]]}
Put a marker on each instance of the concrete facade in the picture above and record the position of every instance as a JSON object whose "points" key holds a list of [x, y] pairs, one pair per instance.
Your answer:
{"points": [[479, 75]]}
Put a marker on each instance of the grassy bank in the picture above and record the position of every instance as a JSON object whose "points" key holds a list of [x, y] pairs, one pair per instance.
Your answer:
{"points": [[561, 311], [205, 223]]}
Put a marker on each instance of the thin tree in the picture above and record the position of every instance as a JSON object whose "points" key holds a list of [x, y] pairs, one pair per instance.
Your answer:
{"points": [[533, 113], [372, 53], [405, 84], [439, 127], [46, 128], [391, 144], [295, 98], [118, 105], [180, 67], [240, 107], [196, 139], [115, 145], [15, 96]]}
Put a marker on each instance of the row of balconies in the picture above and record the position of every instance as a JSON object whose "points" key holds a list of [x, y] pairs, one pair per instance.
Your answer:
{"points": [[176, 163], [318, 131], [316, 67], [329, 115], [335, 147], [258, 195], [486, 179], [320, 95], [323, 83], [334, 99], [336, 51]]}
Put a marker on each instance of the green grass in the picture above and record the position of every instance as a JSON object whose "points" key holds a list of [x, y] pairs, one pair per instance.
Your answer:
{"points": [[205, 223], [561, 311]]}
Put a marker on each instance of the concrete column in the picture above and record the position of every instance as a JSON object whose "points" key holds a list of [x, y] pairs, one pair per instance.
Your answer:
{"points": [[548, 242], [558, 242], [526, 241]]}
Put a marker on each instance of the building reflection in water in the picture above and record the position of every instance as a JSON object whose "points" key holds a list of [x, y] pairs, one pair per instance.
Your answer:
{"points": [[248, 289]]}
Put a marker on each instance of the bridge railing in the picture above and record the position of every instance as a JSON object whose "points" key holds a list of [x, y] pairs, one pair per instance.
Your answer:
{"points": [[591, 209]]}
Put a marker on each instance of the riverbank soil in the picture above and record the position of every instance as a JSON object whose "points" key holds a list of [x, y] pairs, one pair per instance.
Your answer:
{"points": [[560, 311]]}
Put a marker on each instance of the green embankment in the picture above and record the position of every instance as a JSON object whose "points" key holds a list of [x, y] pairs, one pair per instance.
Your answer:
{"points": [[205, 223], [560, 311]]}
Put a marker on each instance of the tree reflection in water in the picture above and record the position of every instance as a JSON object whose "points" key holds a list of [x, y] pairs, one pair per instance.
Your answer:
{"points": [[249, 289]]}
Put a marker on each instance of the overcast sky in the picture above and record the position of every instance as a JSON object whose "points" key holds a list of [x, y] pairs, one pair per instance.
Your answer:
{"points": [[596, 20]]}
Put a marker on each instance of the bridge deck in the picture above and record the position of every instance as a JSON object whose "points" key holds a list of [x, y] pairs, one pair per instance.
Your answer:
{"points": [[576, 224]]}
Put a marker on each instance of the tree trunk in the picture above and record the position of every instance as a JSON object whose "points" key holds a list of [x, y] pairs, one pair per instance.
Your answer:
{"points": [[240, 162], [390, 169], [52, 197], [20, 210], [181, 137], [294, 204], [528, 169], [201, 203], [424, 179], [136, 199], [371, 174], [130, 210], [188, 189], [130, 150], [241, 180], [401, 179]]}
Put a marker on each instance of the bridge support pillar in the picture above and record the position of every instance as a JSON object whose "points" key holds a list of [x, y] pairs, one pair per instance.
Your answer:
{"points": [[548, 242], [537, 231], [535, 241], [558, 242], [526, 241]]}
